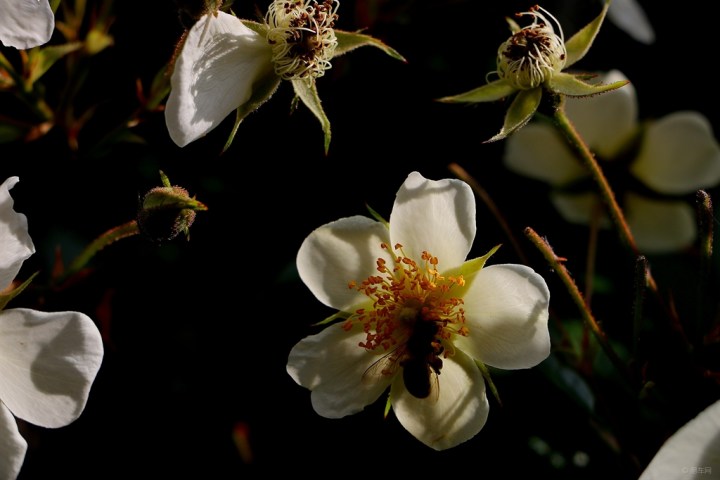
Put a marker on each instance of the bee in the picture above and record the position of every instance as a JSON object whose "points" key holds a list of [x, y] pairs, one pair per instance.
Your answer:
{"points": [[420, 360]]}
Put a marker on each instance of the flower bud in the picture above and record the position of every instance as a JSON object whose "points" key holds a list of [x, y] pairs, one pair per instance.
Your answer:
{"points": [[167, 211]]}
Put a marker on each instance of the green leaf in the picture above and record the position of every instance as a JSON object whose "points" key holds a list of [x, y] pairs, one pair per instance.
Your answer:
{"points": [[41, 59], [348, 41], [520, 112], [262, 90], [572, 86], [306, 90], [580, 43], [487, 93], [6, 297], [256, 27]]}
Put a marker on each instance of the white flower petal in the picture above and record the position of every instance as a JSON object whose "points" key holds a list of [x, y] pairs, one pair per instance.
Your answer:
{"points": [[608, 120], [690, 453], [26, 23], [679, 154], [506, 308], [436, 216], [539, 152], [214, 74], [12, 445], [15, 243], [332, 365], [580, 208], [660, 226], [629, 16], [339, 252], [48, 362], [457, 415]]}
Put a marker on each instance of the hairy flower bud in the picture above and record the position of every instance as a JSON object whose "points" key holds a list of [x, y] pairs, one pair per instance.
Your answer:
{"points": [[167, 211], [533, 54]]}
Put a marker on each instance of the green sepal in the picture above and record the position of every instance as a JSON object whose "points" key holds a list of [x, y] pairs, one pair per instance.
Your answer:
{"points": [[332, 318], [388, 405], [470, 268], [41, 59], [580, 43], [257, 27], [348, 41], [6, 297], [490, 92], [520, 112], [572, 86], [488, 380], [306, 90], [262, 90], [377, 216]]}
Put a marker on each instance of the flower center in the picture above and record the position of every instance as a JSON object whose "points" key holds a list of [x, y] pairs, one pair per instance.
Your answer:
{"points": [[302, 37], [533, 54], [413, 312]]}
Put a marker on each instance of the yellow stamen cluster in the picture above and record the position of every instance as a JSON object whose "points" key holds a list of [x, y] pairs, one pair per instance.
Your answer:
{"points": [[401, 294], [533, 54], [302, 37]]}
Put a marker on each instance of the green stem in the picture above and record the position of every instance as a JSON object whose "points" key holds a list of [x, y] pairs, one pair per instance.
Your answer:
{"points": [[557, 265], [111, 236]]}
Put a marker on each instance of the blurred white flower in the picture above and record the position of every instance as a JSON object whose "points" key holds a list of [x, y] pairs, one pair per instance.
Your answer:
{"points": [[692, 452], [419, 317], [649, 166], [629, 16], [48, 361], [25, 23]]}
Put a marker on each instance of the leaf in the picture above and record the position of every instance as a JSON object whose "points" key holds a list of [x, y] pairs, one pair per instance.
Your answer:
{"points": [[348, 41], [262, 90], [581, 42], [520, 112], [257, 27], [5, 297], [306, 90], [572, 86], [41, 59], [487, 93]]}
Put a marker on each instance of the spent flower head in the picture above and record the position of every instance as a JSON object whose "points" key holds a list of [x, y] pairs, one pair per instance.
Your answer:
{"points": [[48, 361], [419, 317], [532, 61], [227, 64]]}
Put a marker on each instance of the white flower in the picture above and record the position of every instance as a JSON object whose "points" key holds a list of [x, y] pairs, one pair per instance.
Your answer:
{"points": [[692, 452], [419, 318], [675, 155], [48, 361], [25, 23]]}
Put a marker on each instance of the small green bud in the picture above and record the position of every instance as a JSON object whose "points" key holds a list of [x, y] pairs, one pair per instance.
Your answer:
{"points": [[167, 211]]}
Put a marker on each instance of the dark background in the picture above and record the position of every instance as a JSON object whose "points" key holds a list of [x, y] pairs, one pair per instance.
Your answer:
{"points": [[197, 333]]}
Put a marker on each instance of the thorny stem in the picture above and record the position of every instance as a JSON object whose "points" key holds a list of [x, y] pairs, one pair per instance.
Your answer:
{"points": [[111, 236], [616, 214], [559, 268]]}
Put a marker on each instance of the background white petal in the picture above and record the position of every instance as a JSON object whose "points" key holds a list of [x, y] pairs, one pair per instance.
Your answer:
{"points": [[538, 151], [437, 216], [506, 308], [580, 208], [15, 243], [679, 154], [629, 16], [332, 364], [25, 23], [12, 445], [660, 226], [695, 445], [48, 362], [339, 252], [608, 120], [214, 74], [459, 413]]}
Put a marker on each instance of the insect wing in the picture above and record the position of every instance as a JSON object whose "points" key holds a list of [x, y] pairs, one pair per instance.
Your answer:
{"points": [[383, 368]]}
